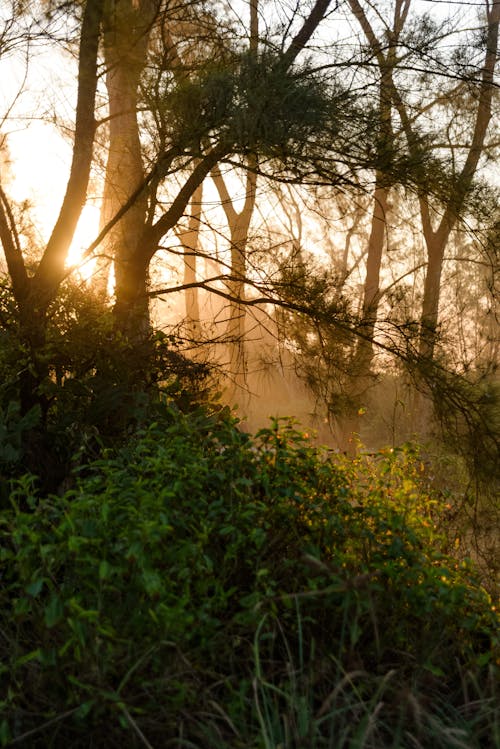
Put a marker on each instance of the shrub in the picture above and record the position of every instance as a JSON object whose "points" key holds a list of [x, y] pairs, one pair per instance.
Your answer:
{"points": [[201, 588], [91, 386]]}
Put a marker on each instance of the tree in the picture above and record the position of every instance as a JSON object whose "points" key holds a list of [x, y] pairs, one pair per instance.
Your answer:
{"points": [[127, 27], [188, 100], [459, 181], [205, 127], [34, 292], [190, 239], [385, 52]]}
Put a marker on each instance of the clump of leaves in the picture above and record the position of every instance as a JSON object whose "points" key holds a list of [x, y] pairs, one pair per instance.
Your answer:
{"points": [[198, 585], [96, 388]]}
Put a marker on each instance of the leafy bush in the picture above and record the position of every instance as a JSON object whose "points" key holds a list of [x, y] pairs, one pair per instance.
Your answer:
{"points": [[91, 386], [200, 588]]}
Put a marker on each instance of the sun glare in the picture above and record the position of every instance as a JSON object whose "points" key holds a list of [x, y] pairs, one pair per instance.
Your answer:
{"points": [[86, 231]]}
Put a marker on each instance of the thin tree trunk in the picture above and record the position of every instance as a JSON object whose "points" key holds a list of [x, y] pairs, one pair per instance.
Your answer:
{"points": [[236, 288], [190, 241], [371, 290], [50, 272], [435, 242], [239, 225], [348, 427], [361, 363], [33, 294]]}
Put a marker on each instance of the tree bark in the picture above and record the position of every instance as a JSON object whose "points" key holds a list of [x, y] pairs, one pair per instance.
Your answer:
{"points": [[190, 242], [127, 31], [361, 364], [51, 269], [239, 225]]}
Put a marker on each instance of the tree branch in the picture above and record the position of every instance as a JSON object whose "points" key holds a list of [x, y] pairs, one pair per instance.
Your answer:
{"points": [[154, 234], [309, 26], [12, 250]]}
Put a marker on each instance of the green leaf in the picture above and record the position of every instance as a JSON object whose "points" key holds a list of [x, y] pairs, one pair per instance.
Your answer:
{"points": [[33, 655], [22, 606], [152, 582], [74, 543], [84, 709], [484, 659], [4, 733], [34, 588], [105, 570], [48, 657], [435, 670], [53, 611]]}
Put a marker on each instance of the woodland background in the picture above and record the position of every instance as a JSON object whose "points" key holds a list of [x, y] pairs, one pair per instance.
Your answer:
{"points": [[290, 210]]}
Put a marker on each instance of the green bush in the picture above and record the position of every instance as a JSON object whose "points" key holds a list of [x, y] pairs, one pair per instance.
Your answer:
{"points": [[201, 588], [91, 386]]}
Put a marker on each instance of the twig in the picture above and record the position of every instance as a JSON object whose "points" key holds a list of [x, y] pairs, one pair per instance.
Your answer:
{"points": [[50, 722], [136, 727]]}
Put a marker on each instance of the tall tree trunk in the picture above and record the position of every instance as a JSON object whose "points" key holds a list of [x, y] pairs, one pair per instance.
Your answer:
{"points": [[131, 308], [190, 241], [362, 358], [51, 269], [385, 54], [239, 225], [127, 31], [371, 289], [236, 287], [435, 242]]}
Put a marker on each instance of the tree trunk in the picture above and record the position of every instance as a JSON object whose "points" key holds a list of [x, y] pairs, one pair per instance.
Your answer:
{"points": [[190, 241], [361, 364], [236, 289], [348, 427], [128, 26], [239, 225], [371, 290], [435, 242], [131, 309], [51, 269]]}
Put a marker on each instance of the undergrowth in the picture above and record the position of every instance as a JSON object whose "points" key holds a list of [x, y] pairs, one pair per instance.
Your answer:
{"points": [[201, 588]]}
